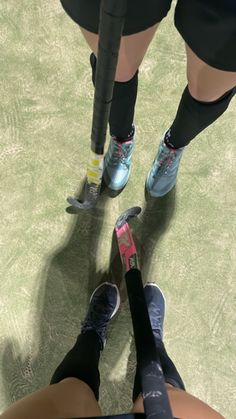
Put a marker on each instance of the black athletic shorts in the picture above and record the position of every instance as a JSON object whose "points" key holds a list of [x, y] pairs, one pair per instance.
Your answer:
{"points": [[207, 26]]}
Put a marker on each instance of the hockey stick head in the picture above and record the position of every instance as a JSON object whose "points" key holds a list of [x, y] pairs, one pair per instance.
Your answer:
{"points": [[91, 194], [126, 245], [92, 184], [126, 215]]}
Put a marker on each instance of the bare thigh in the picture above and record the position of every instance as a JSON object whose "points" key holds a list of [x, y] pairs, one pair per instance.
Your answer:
{"points": [[70, 398], [132, 50], [183, 405], [207, 83], [73, 398]]}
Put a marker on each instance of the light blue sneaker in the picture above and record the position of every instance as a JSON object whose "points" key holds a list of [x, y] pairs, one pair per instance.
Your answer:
{"points": [[162, 176], [156, 308], [117, 163]]}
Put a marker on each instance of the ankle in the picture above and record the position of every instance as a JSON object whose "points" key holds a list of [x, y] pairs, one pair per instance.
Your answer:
{"points": [[168, 140], [123, 139], [158, 335]]}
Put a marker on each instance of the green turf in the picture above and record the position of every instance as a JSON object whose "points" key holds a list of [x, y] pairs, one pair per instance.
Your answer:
{"points": [[51, 260]]}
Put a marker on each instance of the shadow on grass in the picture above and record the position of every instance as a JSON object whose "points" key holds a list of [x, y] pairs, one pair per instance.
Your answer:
{"points": [[65, 285]]}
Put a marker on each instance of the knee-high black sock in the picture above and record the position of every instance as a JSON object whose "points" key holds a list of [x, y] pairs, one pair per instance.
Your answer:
{"points": [[194, 116], [123, 104], [170, 372], [82, 362]]}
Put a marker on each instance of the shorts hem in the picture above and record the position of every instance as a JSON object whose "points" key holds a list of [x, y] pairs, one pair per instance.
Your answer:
{"points": [[199, 51], [131, 31], [140, 23], [203, 57]]}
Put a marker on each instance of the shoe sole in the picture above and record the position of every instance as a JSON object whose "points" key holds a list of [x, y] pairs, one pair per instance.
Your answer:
{"points": [[118, 296]]}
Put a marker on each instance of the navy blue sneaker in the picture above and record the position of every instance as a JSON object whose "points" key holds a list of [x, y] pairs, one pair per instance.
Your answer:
{"points": [[156, 308], [104, 303]]}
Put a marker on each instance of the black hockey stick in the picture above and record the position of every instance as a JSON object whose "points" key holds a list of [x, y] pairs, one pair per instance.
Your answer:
{"points": [[156, 402], [112, 17]]}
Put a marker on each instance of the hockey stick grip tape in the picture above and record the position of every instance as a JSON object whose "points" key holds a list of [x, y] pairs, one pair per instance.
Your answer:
{"points": [[112, 18], [156, 402]]}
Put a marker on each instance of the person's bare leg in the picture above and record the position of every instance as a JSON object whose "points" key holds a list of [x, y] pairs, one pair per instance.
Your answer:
{"points": [[203, 101], [183, 405], [132, 51], [68, 398], [206, 83], [121, 119]]}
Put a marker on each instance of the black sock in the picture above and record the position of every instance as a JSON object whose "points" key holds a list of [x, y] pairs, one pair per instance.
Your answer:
{"points": [[82, 362], [193, 116], [170, 372], [167, 140], [129, 137]]}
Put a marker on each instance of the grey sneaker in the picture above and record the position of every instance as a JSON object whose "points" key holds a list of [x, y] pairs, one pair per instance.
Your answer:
{"points": [[156, 308]]}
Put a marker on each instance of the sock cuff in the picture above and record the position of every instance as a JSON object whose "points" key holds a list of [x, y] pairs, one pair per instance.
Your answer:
{"points": [[227, 96], [129, 137]]}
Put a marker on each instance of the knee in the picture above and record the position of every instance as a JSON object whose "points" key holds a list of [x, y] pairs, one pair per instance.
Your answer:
{"points": [[200, 94], [125, 72], [72, 393], [124, 77], [206, 97]]}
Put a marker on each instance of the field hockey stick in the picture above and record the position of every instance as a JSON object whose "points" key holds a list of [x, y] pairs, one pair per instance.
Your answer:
{"points": [[156, 402], [112, 18]]}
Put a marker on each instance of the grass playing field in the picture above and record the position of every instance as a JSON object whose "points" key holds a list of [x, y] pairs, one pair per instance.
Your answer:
{"points": [[52, 260]]}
